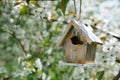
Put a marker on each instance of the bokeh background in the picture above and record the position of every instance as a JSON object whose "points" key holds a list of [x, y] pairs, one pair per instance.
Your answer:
{"points": [[31, 29]]}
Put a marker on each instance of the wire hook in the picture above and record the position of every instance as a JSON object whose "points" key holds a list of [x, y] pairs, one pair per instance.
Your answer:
{"points": [[78, 14]]}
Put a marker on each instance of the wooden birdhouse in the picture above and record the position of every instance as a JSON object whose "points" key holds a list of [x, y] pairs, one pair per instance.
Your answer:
{"points": [[79, 43]]}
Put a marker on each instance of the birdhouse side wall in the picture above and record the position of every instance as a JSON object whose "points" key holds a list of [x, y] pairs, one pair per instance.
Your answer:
{"points": [[90, 55]]}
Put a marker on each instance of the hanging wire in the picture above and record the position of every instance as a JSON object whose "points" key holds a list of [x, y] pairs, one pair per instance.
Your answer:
{"points": [[80, 9], [75, 8], [78, 14]]}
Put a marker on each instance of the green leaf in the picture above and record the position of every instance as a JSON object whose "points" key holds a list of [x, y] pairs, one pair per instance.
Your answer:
{"points": [[39, 72], [100, 75], [35, 3], [29, 65], [86, 78], [24, 10], [62, 5], [45, 43], [17, 3]]}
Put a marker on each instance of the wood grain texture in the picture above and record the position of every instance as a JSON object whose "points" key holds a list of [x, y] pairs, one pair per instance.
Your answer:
{"points": [[91, 49]]}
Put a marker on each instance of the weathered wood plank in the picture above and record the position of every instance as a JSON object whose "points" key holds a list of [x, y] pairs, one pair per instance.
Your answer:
{"points": [[76, 64], [91, 49]]}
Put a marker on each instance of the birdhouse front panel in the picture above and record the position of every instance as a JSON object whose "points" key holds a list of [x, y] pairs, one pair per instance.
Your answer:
{"points": [[75, 48], [80, 51]]}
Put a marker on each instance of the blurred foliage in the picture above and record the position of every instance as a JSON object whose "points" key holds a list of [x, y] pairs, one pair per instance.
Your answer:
{"points": [[31, 29], [62, 5], [100, 75], [24, 10]]}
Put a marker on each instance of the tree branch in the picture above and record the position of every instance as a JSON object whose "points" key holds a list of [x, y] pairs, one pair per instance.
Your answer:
{"points": [[13, 34], [110, 33], [117, 76], [117, 36]]}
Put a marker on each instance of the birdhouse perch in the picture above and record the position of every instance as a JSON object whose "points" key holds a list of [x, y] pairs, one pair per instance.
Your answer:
{"points": [[79, 43]]}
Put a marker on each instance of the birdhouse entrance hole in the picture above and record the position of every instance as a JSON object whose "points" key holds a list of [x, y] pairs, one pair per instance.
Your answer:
{"points": [[75, 40]]}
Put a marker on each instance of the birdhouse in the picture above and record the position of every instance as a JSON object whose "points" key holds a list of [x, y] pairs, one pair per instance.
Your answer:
{"points": [[79, 43]]}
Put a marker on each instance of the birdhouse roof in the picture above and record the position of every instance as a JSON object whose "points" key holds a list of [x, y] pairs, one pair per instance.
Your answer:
{"points": [[86, 32]]}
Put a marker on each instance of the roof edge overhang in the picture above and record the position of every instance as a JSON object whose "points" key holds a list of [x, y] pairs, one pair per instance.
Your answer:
{"points": [[61, 42], [101, 43]]}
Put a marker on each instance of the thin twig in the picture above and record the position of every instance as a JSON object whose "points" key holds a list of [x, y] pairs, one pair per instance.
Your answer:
{"points": [[110, 33], [117, 76], [117, 36], [19, 41]]}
